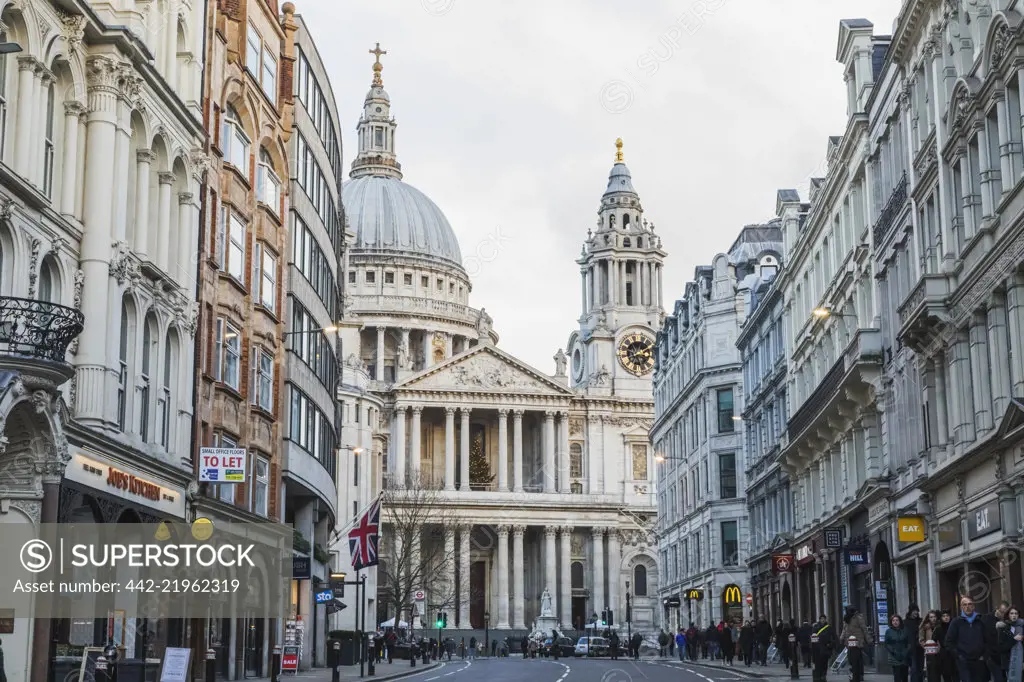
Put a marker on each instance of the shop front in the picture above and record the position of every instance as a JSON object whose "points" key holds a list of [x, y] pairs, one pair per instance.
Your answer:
{"points": [[102, 489], [732, 604], [808, 594]]}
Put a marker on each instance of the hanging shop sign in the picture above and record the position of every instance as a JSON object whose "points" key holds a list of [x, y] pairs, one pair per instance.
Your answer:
{"points": [[984, 520], [133, 486], [804, 555], [782, 563], [695, 594], [833, 538], [951, 534], [672, 602], [910, 529], [856, 555], [732, 595]]}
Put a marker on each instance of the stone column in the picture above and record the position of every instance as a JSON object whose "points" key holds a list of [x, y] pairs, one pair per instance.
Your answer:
{"points": [[518, 583], [613, 281], [503, 450], [941, 415], [68, 183], [550, 560], [657, 301], [449, 448], [998, 353], [187, 245], [400, 468], [502, 559], [614, 570], [517, 451], [25, 143], [1015, 312], [379, 361], [171, 36], [464, 580], [598, 601], [447, 345], [980, 373], [427, 355], [563, 457], [164, 222], [965, 371], [415, 436], [122, 161], [95, 249], [565, 564], [639, 269], [464, 448], [583, 292], [448, 568], [549, 452], [144, 159]]}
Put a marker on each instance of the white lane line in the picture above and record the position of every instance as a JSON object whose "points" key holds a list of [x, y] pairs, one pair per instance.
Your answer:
{"points": [[433, 678]]}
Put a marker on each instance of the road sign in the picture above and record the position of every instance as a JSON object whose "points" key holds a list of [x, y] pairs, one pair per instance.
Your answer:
{"points": [[750, 598], [222, 465], [324, 596], [419, 595]]}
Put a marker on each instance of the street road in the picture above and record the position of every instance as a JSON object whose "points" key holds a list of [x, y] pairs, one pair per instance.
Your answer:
{"points": [[572, 670]]}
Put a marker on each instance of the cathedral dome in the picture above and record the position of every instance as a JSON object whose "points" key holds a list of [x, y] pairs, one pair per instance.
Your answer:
{"points": [[391, 216]]}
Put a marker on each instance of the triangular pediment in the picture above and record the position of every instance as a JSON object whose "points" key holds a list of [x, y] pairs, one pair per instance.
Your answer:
{"points": [[483, 369], [1013, 418]]}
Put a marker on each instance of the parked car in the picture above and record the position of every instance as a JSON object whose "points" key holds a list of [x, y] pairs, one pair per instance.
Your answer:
{"points": [[565, 647], [592, 646]]}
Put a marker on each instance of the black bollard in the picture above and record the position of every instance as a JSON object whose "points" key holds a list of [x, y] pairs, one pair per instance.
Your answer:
{"points": [[336, 663], [371, 662], [275, 665], [211, 665], [794, 665]]}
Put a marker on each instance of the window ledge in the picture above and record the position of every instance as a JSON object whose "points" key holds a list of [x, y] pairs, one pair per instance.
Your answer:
{"points": [[263, 412], [233, 281], [222, 387], [265, 208], [237, 172], [269, 312]]}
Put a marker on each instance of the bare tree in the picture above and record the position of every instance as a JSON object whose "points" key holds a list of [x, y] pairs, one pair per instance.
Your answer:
{"points": [[416, 516]]}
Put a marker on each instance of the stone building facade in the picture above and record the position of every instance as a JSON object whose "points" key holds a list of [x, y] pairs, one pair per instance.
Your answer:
{"points": [[698, 391]]}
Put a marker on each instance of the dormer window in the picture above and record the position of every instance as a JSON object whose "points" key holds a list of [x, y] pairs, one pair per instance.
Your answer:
{"points": [[768, 268]]}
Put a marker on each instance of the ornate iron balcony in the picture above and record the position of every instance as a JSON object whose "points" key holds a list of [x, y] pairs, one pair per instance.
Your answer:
{"points": [[36, 329], [891, 210]]}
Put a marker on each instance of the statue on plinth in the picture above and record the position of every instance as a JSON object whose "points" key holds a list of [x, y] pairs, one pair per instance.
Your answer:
{"points": [[545, 604]]}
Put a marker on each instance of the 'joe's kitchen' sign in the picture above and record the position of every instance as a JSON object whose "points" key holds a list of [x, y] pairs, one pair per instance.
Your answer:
{"points": [[135, 486]]}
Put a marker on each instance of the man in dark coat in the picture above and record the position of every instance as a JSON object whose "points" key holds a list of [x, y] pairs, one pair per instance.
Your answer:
{"points": [[823, 643], [970, 642], [613, 644], [996, 670], [803, 636], [747, 643], [636, 642], [912, 624], [763, 632]]}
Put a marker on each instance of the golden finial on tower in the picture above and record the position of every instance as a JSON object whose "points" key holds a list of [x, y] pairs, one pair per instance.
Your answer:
{"points": [[377, 66], [618, 151]]}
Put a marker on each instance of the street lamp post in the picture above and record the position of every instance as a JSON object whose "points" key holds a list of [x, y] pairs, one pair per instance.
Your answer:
{"points": [[487, 632], [629, 618]]}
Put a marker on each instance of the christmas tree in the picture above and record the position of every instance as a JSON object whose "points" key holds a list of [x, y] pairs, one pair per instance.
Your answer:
{"points": [[480, 475]]}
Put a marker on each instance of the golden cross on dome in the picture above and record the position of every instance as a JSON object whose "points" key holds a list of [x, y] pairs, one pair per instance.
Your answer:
{"points": [[377, 66], [618, 151]]}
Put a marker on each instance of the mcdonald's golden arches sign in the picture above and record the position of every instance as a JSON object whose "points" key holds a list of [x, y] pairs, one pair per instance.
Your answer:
{"points": [[732, 595], [695, 594]]}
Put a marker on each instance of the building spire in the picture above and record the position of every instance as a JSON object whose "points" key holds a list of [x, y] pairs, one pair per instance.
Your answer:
{"points": [[619, 158], [377, 66]]}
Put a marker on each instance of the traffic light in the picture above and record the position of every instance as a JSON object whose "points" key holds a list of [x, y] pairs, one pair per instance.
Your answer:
{"points": [[440, 620], [444, 619], [604, 617], [611, 620]]}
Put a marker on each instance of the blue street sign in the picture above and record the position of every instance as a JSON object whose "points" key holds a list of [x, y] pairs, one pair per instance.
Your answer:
{"points": [[324, 596]]}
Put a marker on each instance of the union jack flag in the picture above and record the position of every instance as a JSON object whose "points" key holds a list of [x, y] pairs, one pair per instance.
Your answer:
{"points": [[362, 540]]}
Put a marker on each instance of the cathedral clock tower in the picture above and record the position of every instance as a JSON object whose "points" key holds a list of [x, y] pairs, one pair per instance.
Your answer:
{"points": [[620, 270]]}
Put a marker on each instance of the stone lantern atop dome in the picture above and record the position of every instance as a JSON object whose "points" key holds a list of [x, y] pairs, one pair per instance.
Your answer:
{"points": [[377, 130]]}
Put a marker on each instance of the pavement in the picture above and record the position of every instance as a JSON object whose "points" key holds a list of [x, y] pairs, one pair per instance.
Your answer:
{"points": [[515, 669]]}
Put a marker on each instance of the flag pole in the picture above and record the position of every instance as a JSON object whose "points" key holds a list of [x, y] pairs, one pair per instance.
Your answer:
{"points": [[361, 624]]}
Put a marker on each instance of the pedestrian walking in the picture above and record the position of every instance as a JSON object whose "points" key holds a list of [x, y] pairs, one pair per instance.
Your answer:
{"points": [[472, 648], [926, 637], [726, 643], [897, 646], [662, 643], [947, 657], [803, 637], [613, 643], [635, 644], [823, 643], [855, 637], [747, 643], [1015, 660], [968, 639], [681, 644], [912, 623], [763, 632], [494, 648]]}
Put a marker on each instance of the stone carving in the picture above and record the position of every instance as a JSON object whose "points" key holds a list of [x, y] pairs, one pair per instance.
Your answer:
{"points": [[33, 268], [6, 209], [403, 354], [30, 508], [602, 377], [73, 389], [201, 164], [79, 281], [545, 604], [73, 30], [630, 421], [602, 321], [1000, 44], [575, 426], [485, 372], [962, 103], [123, 267], [576, 546], [438, 341], [561, 361]]}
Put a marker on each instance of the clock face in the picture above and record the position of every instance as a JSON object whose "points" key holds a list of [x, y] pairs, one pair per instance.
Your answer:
{"points": [[636, 354]]}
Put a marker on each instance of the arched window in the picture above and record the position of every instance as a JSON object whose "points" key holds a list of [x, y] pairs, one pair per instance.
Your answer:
{"points": [[234, 142], [576, 575], [122, 378], [625, 220], [48, 144], [268, 185], [48, 287], [640, 580], [576, 460], [626, 242]]}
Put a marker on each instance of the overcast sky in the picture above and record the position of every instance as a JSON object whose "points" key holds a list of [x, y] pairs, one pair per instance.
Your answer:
{"points": [[508, 111]]}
